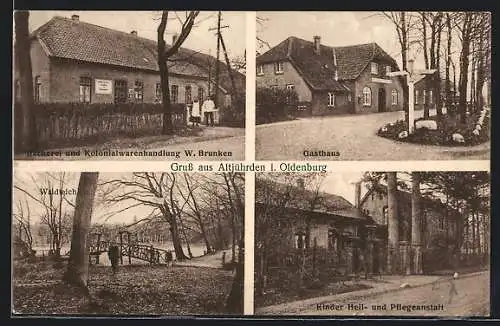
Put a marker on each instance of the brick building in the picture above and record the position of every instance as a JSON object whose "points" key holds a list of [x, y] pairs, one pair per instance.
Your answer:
{"points": [[425, 92], [346, 79], [75, 61], [353, 238]]}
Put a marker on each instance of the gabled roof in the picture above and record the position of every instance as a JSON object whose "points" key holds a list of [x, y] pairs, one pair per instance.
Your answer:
{"points": [[77, 40], [326, 203], [318, 69]]}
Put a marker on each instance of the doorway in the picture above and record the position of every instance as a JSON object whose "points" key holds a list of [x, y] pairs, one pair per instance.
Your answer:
{"points": [[381, 100]]}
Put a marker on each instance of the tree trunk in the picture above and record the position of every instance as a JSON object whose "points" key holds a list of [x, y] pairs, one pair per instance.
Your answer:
{"points": [[176, 238], [424, 39], [393, 223], [234, 302], [77, 272], [437, 95], [26, 135], [167, 128], [404, 49], [448, 63], [464, 67], [480, 73]]}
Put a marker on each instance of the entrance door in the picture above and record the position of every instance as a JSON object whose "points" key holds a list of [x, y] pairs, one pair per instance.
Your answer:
{"points": [[121, 91], [381, 100]]}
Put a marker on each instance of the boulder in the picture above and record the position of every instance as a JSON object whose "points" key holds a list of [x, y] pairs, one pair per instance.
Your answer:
{"points": [[384, 129], [455, 275], [458, 138], [405, 285], [427, 124], [478, 127], [403, 134], [476, 132]]}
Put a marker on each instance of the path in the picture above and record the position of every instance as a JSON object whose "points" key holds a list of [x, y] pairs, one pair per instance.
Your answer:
{"points": [[354, 137], [213, 139], [210, 261], [472, 298]]}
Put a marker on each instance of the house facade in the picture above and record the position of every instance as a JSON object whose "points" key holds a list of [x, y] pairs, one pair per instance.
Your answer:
{"points": [[352, 239], [334, 80], [74, 61], [425, 92]]}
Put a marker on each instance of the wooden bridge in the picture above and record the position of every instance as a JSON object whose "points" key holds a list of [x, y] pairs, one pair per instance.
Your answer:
{"points": [[132, 250]]}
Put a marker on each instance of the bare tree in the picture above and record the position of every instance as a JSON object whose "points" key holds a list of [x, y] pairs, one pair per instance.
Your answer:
{"points": [[163, 55], [23, 220]]}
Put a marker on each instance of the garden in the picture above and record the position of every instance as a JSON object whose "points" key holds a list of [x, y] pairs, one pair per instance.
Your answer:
{"points": [[443, 130]]}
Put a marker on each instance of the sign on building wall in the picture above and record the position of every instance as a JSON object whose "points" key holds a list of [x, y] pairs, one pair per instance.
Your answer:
{"points": [[103, 86]]}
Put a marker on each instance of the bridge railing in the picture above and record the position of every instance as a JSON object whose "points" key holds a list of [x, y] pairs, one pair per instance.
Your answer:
{"points": [[138, 251]]}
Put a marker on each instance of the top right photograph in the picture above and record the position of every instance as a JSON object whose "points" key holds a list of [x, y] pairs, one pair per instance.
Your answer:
{"points": [[356, 86]]}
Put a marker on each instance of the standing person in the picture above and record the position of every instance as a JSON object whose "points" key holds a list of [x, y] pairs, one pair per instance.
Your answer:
{"points": [[195, 113], [114, 255], [209, 110]]}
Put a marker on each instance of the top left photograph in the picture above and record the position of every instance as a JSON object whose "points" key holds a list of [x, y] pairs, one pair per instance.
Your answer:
{"points": [[129, 85]]}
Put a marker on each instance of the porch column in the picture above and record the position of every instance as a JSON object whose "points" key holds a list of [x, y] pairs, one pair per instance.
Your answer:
{"points": [[416, 225], [392, 224], [405, 259], [349, 253]]}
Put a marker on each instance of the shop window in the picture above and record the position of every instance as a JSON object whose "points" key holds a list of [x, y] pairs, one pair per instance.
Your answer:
{"points": [[85, 89]]}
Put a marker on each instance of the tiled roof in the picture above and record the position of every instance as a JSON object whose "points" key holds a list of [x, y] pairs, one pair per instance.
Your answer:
{"points": [[318, 69], [78, 40]]}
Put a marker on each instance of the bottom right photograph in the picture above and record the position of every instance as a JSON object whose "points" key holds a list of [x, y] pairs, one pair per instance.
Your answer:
{"points": [[404, 243]]}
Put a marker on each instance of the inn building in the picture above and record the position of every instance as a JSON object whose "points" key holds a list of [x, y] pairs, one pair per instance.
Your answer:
{"points": [[333, 80]]}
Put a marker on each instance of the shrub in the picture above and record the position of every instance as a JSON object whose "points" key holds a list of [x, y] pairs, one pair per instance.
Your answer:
{"points": [[447, 126], [275, 104]]}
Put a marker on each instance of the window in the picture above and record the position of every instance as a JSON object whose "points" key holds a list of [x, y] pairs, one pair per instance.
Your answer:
{"points": [[431, 99], [274, 88], [388, 69], [394, 97], [158, 95], [331, 99], [367, 96], [139, 91], [121, 91], [416, 96], [425, 96], [201, 94], [260, 70], [85, 88], [290, 87], [187, 94], [174, 94], [385, 214], [349, 97], [300, 240], [374, 68], [278, 67], [37, 87]]}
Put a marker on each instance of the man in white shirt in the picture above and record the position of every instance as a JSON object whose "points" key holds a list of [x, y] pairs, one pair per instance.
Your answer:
{"points": [[209, 110]]}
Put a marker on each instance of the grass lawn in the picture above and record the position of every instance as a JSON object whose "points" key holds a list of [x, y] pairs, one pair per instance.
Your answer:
{"points": [[273, 296], [135, 290]]}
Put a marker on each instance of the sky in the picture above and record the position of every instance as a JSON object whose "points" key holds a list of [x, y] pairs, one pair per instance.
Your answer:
{"points": [[146, 23], [336, 28]]}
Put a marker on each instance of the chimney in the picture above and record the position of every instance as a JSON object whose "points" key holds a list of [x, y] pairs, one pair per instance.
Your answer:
{"points": [[300, 183], [357, 194], [174, 38], [317, 44], [133, 33], [75, 18], [410, 66], [335, 65]]}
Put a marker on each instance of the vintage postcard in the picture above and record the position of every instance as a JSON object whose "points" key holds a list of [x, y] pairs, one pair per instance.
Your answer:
{"points": [[372, 244], [373, 86], [135, 243], [129, 85]]}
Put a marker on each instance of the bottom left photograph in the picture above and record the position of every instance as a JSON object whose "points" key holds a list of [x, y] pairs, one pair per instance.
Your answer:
{"points": [[141, 243]]}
